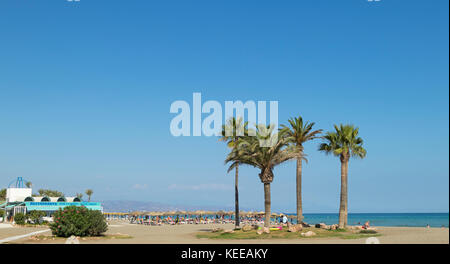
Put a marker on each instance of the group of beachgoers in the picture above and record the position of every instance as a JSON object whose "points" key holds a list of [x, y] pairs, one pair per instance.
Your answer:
{"points": [[192, 219], [158, 220], [179, 219]]}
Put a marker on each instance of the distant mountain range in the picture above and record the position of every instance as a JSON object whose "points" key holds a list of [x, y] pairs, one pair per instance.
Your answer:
{"points": [[129, 206]]}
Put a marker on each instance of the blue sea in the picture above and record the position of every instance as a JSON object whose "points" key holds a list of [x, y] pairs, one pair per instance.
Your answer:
{"points": [[384, 219]]}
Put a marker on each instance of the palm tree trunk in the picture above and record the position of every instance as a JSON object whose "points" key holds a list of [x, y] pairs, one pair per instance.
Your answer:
{"points": [[343, 209], [267, 204], [299, 191], [346, 194], [236, 197]]}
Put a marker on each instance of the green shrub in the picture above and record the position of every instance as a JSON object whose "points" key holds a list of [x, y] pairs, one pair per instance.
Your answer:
{"points": [[35, 216], [78, 221], [368, 232], [97, 223], [2, 212], [20, 218]]}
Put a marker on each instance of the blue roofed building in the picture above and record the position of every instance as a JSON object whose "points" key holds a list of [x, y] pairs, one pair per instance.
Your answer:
{"points": [[19, 199]]}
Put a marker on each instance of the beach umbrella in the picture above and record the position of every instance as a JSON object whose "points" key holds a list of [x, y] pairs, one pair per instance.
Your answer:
{"points": [[292, 216], [156, 213], [199, 212], [221, 212]]}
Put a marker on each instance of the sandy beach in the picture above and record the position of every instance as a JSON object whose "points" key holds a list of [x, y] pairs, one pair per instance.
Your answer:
{"points": [[186, 234]]}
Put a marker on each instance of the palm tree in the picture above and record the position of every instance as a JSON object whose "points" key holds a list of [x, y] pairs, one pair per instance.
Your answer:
{"points": [[297, 134], [263, 151], [28, 184], [50, 193], [2, 194], [232, 131], [343, 143], [79, 195], [89, 193]]}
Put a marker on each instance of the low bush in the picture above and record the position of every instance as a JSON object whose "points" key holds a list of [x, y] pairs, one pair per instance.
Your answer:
{"points": [[20, 218], [78, 221], [35, 216]]}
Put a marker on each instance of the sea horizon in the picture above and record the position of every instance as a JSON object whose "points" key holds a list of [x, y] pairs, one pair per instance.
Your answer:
{"points": [[382, 219], [400, 219]]}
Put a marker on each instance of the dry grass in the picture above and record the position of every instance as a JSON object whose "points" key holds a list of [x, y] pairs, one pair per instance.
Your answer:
{"points": [[284, 234]]}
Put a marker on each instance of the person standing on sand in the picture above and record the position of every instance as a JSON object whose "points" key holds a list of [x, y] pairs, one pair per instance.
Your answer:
{"points": [[285, 219]]}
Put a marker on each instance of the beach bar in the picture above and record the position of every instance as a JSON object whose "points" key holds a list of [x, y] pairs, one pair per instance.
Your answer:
{"points": [[19, 199]]}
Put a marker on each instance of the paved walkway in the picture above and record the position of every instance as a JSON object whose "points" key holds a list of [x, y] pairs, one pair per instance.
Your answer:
{"points": [[5, 225], [8, 239]]}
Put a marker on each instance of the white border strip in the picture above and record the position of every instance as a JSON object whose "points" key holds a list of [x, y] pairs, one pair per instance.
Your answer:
{"points": [[8, 239]]}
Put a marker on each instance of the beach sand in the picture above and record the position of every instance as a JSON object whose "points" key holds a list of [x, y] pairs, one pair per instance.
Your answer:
{"points": [[185, 234], [6, 232]]}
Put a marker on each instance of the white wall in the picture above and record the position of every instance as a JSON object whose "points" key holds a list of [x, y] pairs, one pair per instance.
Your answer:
{"points": [[17, 194]]}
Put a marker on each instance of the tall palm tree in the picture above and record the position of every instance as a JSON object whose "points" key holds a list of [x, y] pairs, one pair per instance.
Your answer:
{"points": [[79, 195], [28, 184], [89, 193], [263, 151], [343, 143], [298, 133], [232, 131]]}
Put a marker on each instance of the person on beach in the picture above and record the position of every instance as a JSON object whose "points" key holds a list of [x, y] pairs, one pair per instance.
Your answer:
{"points": [[285, 219], [366, 225]]}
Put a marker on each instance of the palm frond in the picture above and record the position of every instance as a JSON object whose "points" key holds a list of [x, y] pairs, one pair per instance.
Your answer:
{"points": [[344, 141]]}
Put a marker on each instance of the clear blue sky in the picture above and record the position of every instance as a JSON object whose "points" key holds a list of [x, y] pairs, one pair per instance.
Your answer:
{"points": [[85, 91]]}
